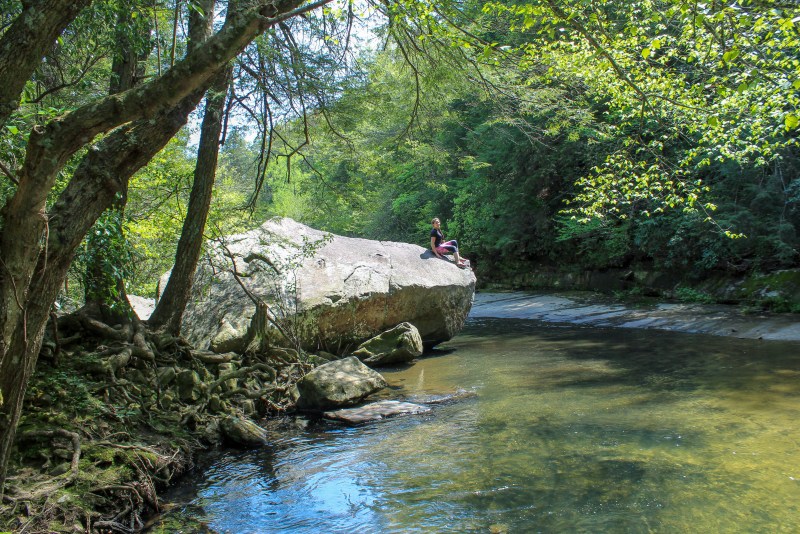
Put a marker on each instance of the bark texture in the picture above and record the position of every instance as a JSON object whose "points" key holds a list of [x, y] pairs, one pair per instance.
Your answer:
{"points": [[103, 291], [101, 175], [25, 43], [172, 303]]}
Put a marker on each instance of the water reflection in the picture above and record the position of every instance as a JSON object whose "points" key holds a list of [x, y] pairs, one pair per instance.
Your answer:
{"points": [[573, 430]]}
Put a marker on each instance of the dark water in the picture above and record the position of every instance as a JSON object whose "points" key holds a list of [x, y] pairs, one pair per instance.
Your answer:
{"points": [[572, 430]]}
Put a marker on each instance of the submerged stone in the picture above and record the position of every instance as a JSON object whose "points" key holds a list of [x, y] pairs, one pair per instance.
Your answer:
{"points": [[445, 398], [375, 411]]}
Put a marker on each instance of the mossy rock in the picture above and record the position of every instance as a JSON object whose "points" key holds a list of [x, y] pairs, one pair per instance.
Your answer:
{"points": [[335, 384], [778, 291], [243, 431], [189, 386], [401, 344]]}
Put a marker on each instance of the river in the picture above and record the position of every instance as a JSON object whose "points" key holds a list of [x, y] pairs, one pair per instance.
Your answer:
{"points": [[573, 428]]}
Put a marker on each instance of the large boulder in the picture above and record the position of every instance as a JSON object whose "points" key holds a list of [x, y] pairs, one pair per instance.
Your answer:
{"points": [[324, 292], [401, 344], [339, 383]]}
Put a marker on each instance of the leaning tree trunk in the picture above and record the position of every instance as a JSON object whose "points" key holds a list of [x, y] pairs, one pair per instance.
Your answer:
{"points": [[36, 248], [100, 176], [172, 303]]}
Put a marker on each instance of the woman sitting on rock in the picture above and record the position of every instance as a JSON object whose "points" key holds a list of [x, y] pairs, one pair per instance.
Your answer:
{"points": [[439, 246]]}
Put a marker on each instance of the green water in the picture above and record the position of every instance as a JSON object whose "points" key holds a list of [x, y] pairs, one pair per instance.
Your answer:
{"points": [[572, 430]]}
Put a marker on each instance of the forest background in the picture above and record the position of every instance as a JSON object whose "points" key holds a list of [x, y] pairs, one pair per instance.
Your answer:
{"points": [[657, 134], [653, 134], [665, 141]]}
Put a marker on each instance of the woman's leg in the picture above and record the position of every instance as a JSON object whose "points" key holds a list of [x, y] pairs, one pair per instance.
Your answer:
{"points": [[453, 245]]}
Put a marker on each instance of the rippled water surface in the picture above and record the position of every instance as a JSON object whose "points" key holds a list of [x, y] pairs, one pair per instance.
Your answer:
{"points": [[572, 430]]}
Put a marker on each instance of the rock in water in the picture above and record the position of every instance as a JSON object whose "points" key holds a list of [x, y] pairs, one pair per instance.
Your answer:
{"points": [[242, 431], [336, 384], [375, 411], [325, 291], [399, 345]]}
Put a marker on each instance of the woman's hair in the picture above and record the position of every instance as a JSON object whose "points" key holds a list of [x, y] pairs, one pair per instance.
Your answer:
{"points": [[435, 220]]}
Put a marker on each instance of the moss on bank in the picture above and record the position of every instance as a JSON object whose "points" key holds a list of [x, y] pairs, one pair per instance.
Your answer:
{"points": [[96, 442]]}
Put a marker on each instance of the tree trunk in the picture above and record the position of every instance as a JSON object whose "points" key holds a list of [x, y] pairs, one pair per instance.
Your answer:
{"points": [[50, 147], [100, 176], [36, 248], [171, 305], [25, 43]]}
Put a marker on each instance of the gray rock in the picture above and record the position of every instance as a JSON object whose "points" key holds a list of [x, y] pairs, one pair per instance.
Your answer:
{"points": [[590, 310], [335, 384], [242, 431], [142, 306], [228, 338], [375, 411], [401, 344], [189, 386], [328, 291]]}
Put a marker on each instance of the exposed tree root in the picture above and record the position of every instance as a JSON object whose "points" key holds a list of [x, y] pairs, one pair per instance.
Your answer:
{"points": [[48, 487], [105, 402]]}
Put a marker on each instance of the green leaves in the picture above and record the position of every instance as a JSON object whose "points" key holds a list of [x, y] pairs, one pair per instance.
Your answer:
{"points": [[654, 45], [730, 55]]}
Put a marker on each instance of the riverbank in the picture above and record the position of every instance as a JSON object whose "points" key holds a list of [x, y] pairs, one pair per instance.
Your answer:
{"points": [[103, 435], [593, 309], [777, 291]]}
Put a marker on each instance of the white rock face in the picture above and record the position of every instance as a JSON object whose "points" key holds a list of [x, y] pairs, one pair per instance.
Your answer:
{"points": [[325, 291]]}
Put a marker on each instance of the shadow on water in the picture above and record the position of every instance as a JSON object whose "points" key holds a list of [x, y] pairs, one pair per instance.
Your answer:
{"points": [[573, 430]]}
